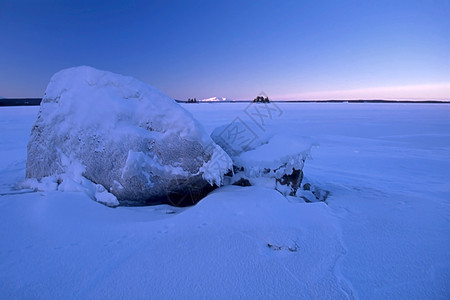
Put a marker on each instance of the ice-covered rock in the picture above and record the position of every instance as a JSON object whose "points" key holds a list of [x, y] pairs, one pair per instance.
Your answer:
{"points": [[124, 135], [272, 160]]}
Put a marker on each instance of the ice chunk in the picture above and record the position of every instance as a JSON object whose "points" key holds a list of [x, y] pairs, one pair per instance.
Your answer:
{"points": [[264, 158], [280, 154]]}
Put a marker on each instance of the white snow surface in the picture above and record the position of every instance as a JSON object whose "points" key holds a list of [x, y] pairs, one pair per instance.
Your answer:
{"points": [[90, 97], [383, 234], [279, 150]]}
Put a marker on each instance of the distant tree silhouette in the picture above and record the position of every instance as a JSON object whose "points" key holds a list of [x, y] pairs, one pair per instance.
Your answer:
{"points": [[190, 100], [261, 99]]}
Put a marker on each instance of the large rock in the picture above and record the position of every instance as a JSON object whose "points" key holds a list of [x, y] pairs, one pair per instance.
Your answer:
{"points": [[125, 135]]}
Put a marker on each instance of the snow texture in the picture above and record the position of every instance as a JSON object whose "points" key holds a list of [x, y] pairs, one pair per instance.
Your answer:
{"points": [[124, 135], [383, 232]]}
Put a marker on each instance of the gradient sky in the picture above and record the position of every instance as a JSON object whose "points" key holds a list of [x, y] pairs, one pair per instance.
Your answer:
{"points": [[236, 49]]}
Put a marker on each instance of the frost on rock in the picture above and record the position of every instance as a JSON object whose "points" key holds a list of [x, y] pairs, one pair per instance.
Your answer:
{"points": [[271, 160], [134, 143]]}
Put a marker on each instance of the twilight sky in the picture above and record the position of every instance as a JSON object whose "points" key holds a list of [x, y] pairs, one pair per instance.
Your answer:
{"points": [[289, 49]]}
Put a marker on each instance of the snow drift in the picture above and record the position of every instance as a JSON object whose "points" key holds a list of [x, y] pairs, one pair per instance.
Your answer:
{"points": [[124, 135]]}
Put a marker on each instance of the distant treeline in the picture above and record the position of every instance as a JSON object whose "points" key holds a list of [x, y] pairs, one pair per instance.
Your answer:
{"points": [[333, 101], [20, 101], [37, 101], [363, 101]]}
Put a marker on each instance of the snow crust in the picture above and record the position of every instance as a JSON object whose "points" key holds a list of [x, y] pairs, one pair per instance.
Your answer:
{"points": [[383, 233], [120, 133], [281, 153]]}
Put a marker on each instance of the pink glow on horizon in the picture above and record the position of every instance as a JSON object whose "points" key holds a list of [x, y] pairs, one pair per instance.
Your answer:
{"points": [[437, 91]]}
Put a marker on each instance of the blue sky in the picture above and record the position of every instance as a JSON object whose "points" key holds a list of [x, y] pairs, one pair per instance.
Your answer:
{"points": [[235, 49]]}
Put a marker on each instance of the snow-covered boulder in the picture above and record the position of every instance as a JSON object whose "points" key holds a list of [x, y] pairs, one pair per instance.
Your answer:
{"points": [[268, 159], [124, 135]]}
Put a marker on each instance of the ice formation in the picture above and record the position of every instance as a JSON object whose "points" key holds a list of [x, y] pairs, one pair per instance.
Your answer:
{"points": [[272, 160], [124, 135]]}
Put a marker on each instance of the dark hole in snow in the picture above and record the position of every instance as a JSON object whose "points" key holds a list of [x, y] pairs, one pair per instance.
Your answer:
{"points": [[291, 248], [293, 180], [242, 182], [274, 247], [190, 197]]}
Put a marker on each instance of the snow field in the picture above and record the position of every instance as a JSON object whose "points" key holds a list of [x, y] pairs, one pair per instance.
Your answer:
{"points": [[382, 233]]}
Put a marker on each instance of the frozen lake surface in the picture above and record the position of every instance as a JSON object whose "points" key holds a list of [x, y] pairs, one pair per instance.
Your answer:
{"points": [[384, 231]]}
